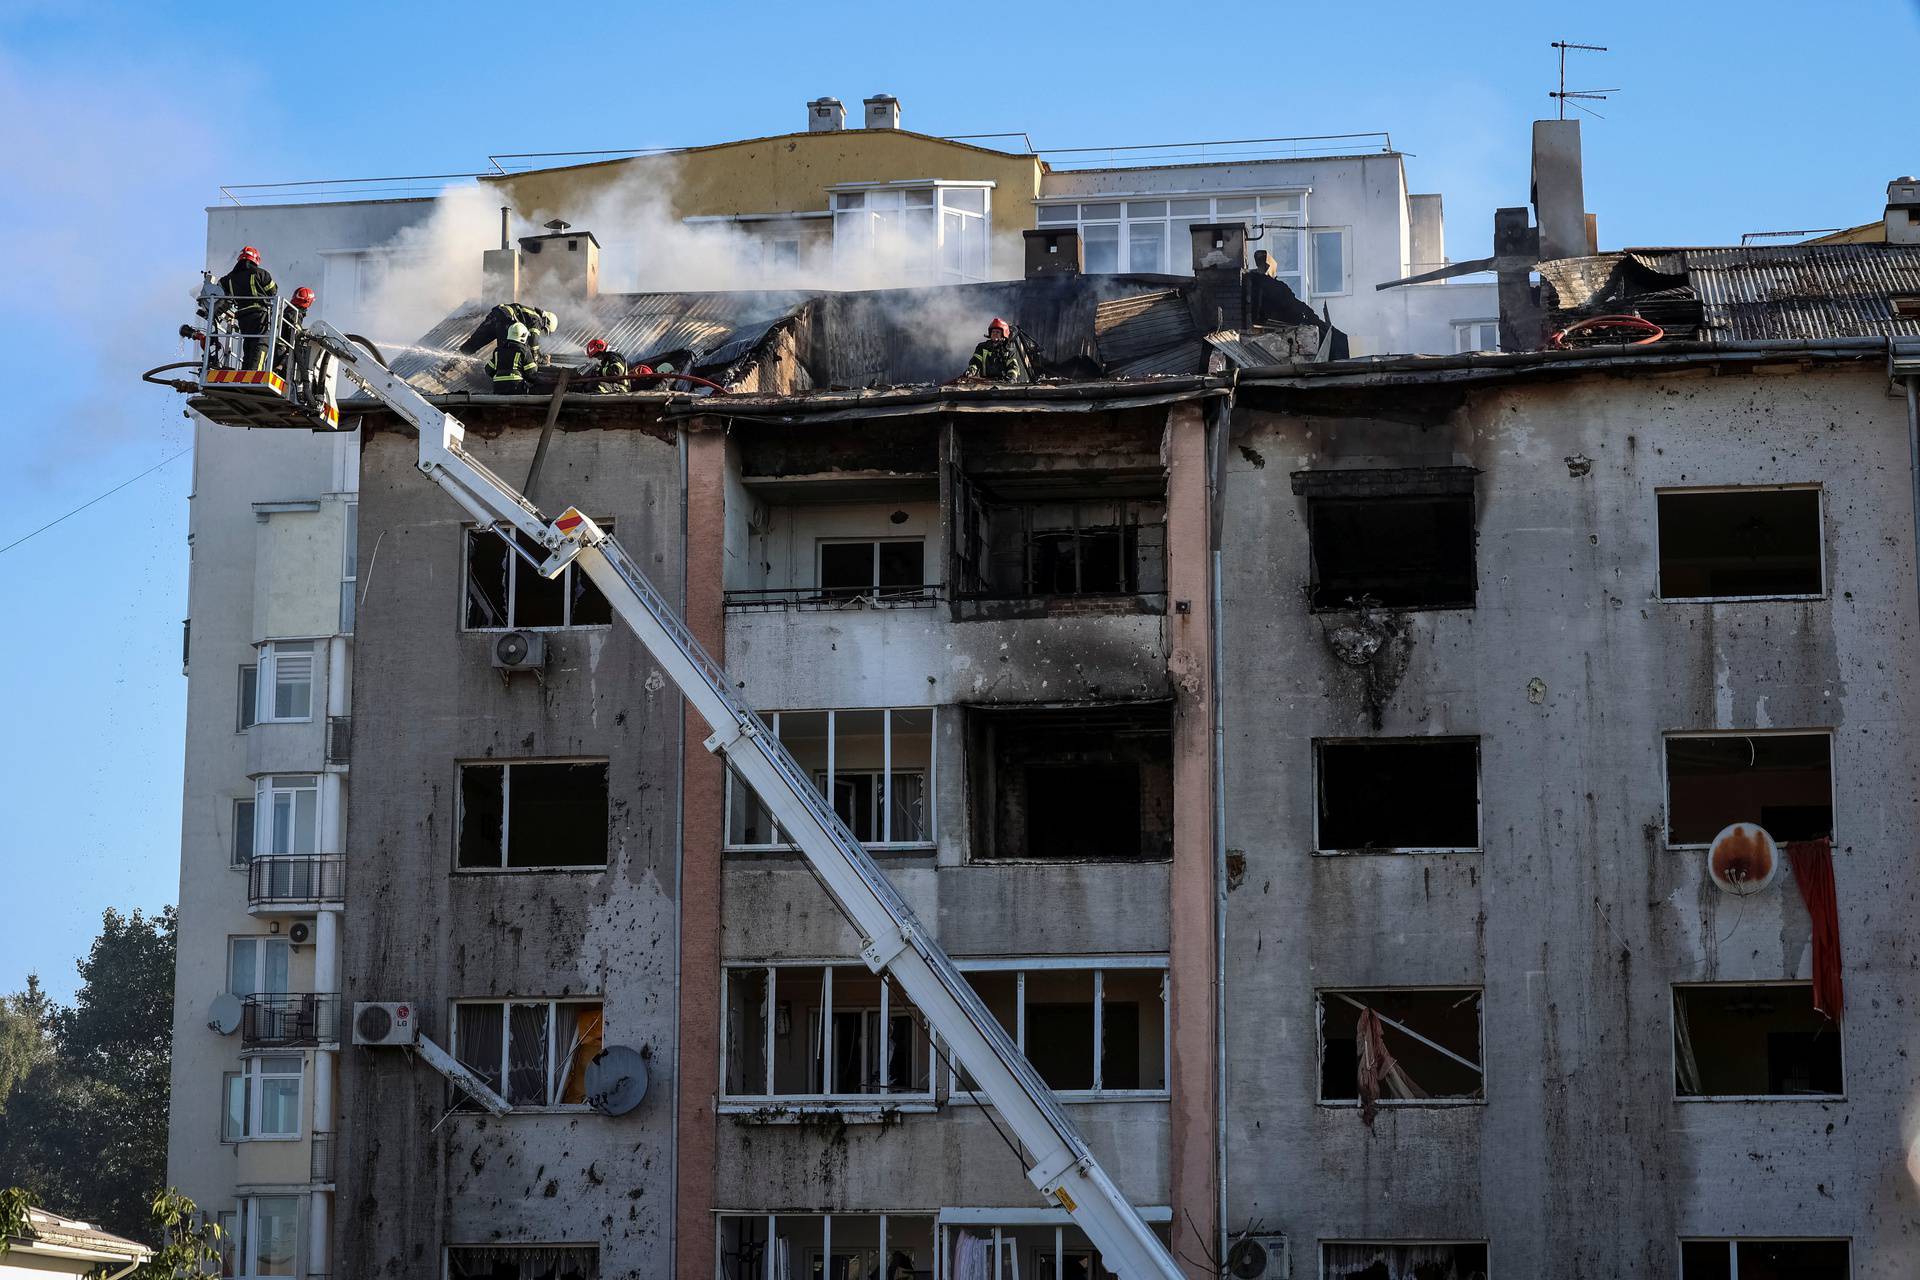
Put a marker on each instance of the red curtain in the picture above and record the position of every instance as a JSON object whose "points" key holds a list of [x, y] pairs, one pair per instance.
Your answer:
{"points": [[1813, 871]]}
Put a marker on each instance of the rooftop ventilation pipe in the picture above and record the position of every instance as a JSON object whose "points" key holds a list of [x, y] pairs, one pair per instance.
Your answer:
{"points": [[826, 115], [1903, 211], [883, 111]]}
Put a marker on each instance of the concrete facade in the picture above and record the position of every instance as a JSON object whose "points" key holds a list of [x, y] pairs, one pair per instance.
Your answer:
{"points": [[421, 929], [1574, 917]]}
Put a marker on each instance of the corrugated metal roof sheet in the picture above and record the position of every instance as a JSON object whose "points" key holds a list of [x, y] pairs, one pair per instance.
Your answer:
{"points": [[1805, 290]]}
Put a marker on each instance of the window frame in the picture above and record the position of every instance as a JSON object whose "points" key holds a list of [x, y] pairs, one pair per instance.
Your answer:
{"points": [[261, 944], [245, 1237], [874, 592], [829, 1099], [1820, 537], [506, 867], [1673, 1056], [447, 1250], [268, 679], [1463, 330], [1099, 966], [1312, 267], [245, 824], [506, 1004], [1176, 237], [349, 567], [884, 1249], [1320, 996], [1320, 848], [1733, 1244], [252, 1079], [246, 711], [1666, 782], [266, 788], [1320, 1250], [854, 208], [929, 797], [514, 567]]}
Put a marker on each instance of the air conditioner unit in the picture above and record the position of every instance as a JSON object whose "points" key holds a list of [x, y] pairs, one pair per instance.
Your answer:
{"points": [[299, 932], [384, 1023], [519, 651], [1259, 1257]]}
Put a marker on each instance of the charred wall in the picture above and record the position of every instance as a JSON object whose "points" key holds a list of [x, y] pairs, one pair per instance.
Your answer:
{"points": [[1574, 915], [415, 929]]}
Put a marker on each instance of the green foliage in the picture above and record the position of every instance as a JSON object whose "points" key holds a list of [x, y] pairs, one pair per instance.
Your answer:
{"points": [[13, 1217], [190, 1241], [83, 1127]]}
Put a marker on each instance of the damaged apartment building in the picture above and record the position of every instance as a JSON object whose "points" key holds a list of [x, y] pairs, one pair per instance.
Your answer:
{"points": [[1323, 766]]}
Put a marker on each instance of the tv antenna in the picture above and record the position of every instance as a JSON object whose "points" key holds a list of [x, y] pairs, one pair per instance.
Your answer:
{"points": [[1564, 94]]}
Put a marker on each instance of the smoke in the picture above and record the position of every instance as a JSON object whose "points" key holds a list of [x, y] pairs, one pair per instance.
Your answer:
{"points": [[647, 246]]}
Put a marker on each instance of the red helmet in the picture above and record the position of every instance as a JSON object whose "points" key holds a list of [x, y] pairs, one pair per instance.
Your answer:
{"points": [[642, 368], [250, 254], [997, 323], [596, 347], [303, 297]]}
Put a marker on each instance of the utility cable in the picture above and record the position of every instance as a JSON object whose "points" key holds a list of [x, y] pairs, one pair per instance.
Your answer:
{"points": [[90, 501]]}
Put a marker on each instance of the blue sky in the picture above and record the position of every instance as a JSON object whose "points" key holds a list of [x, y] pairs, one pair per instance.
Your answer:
{"points": [[118, 125]]}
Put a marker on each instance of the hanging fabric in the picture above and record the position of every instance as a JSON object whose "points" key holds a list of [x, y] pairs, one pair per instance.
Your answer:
{"points": [[1812, 862], [1379, 1074]]}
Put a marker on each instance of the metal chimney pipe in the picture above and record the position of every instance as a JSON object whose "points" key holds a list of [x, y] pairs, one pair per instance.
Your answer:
{"points": [[506, 214]]}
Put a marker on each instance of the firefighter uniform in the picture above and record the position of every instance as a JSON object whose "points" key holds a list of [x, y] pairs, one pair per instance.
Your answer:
{"points": [[252, 288], [611, 366], [999, 360], [494, 325], [509, 366]]}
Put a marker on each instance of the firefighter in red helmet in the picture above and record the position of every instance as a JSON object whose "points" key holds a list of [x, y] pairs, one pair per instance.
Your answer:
{"points": [[1001, 358], [608, 365], [250, 290]]}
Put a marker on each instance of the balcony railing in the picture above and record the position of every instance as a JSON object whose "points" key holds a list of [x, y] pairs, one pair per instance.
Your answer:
{"points": [[291, 1020], [339, 738], [297, 878], [835, 597], [320, 1160]]}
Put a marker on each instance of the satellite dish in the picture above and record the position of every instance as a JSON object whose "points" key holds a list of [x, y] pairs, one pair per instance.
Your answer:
{"points": [[223, 1016], [616, 1080], [1743, 859]]}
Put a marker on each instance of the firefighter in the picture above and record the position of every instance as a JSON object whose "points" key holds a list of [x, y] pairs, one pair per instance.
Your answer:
{"points": [[512, 360], [293, 318], [494, 326], [249, 288], [1000, 358], [607, 364]]}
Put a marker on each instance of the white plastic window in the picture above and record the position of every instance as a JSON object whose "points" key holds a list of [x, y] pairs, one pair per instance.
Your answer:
{"points": [[286, 680], [261, 1238], [534, 1053], [286, 815], [257, 966], [1155, 236], [892, 235], [1329, 261], [262, 1103]]}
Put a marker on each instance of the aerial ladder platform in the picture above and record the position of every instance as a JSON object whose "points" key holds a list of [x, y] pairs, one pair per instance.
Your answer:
{"points": [[895, 942]]}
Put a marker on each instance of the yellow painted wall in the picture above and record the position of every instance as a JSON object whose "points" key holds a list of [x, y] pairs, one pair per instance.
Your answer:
{"points": [[790, 174]]}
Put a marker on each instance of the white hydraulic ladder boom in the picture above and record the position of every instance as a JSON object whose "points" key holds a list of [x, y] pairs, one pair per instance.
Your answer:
{"points": [[1062, 1166]]}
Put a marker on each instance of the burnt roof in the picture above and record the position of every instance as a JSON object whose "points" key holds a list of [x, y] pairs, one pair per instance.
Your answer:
{"points": [[1081, 327], [1746, 294]]}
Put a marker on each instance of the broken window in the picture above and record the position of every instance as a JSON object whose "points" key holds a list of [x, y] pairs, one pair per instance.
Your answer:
{"points": [[1400, 1260], [523, 1262], [1043, 1245], [1402, 538], [1740, 542], [1072, 783], [876, 765], [873, 568], [286, 677], [532, 1053], [533, 815], [1410, 793], [1095, 1031], [1782, 781], [828, 1032], [1431, 1037], [504, 591], [836, 1246], [1073, 547], [1753, 1040], [1765, 1260], [248, 702]]}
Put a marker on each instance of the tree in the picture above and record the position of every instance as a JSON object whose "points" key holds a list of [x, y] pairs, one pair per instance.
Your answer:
{"points": [[84, 1128], [190, 1243], [23, 1037]]}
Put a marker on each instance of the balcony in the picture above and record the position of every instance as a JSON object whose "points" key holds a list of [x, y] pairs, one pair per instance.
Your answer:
{"points": [[292, 881], [290, 1021], [831, 599]]}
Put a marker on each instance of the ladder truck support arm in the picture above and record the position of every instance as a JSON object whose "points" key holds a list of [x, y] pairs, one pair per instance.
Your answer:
{"points": [[1058, 1160], [453, 1069]]}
